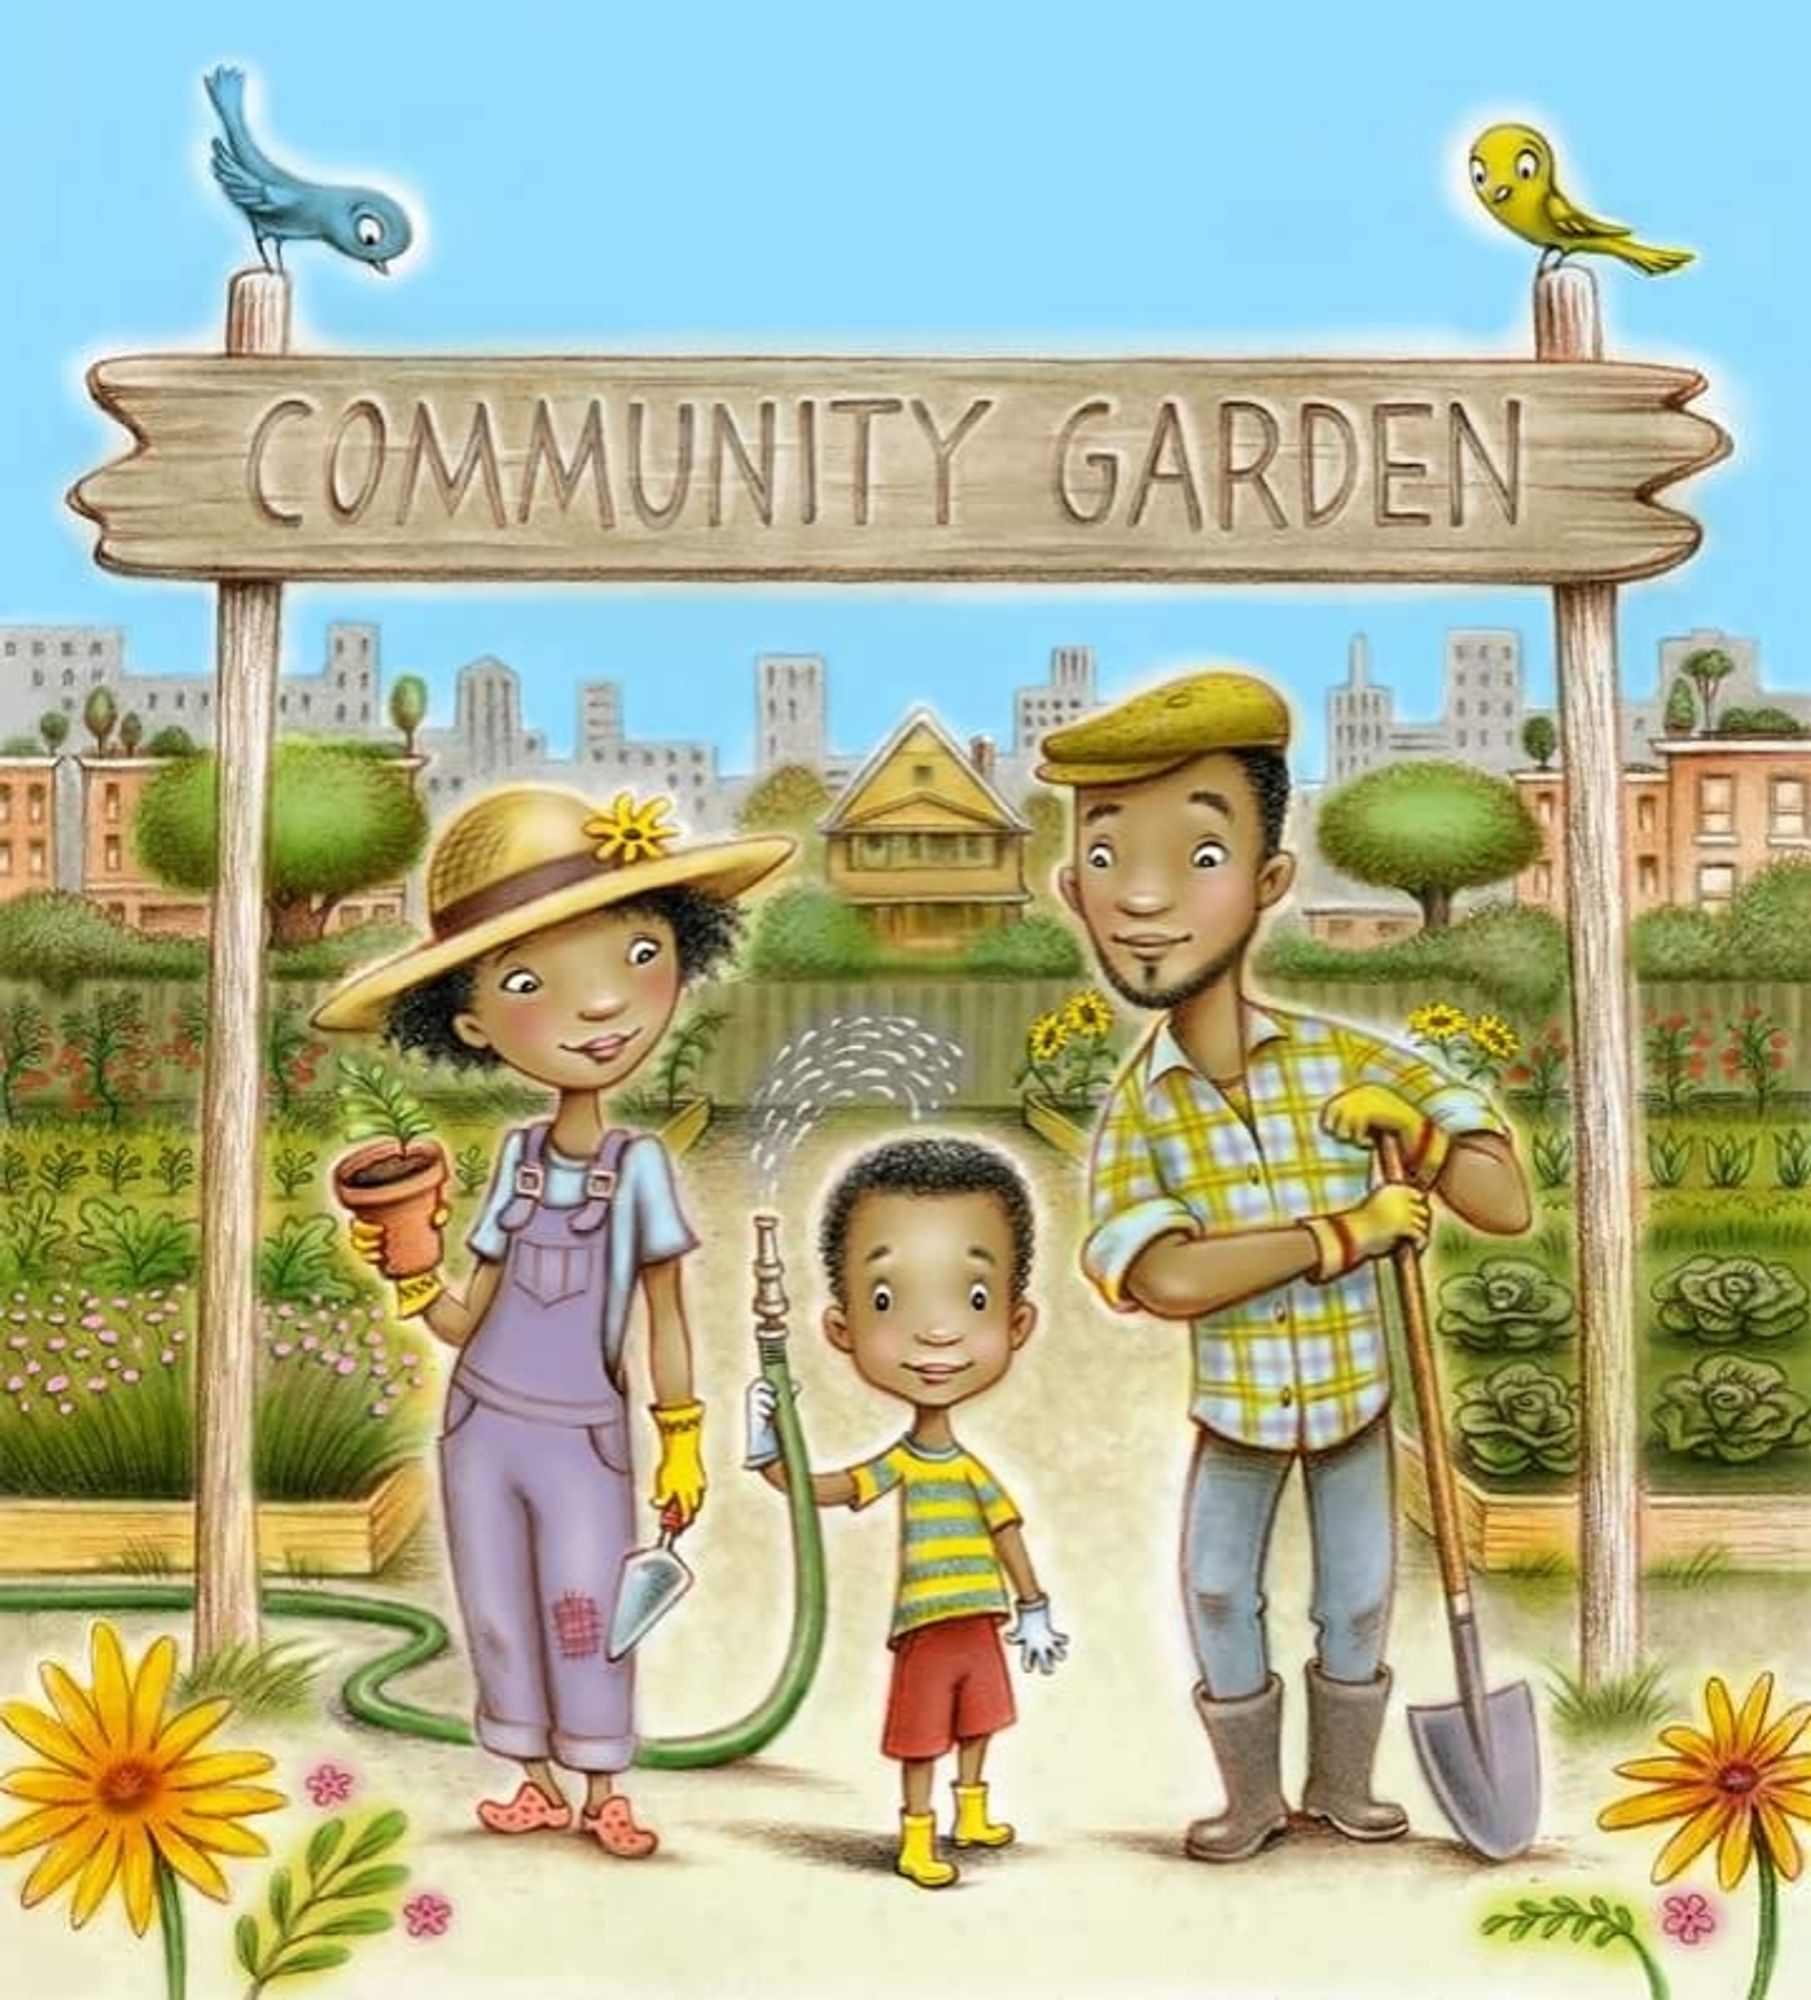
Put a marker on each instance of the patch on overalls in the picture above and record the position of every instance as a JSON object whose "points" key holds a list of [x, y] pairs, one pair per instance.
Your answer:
{"points": [[578, 1625]]}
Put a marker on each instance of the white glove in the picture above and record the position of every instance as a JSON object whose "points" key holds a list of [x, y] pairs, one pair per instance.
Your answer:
{"points": [[761, 1414], [1040, 1644]]}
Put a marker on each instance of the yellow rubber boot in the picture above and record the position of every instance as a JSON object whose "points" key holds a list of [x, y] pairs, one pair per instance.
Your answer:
{"points": [[918, 1860], [973, 1827]]}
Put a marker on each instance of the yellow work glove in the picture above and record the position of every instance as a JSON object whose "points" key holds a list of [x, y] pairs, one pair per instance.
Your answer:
{"points": [[413, 1295], [1364, 1113], [679, 1477], [1392, 1214]]}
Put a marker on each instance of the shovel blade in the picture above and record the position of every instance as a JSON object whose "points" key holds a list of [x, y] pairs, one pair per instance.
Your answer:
{"points": [[1492, 1799], [653, 1581]]}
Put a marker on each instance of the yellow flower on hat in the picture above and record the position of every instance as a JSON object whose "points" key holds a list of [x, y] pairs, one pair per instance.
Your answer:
{"points": [[631, 831]]}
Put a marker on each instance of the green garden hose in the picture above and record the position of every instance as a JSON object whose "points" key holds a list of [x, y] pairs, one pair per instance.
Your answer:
{"points": [[366, 1690]]}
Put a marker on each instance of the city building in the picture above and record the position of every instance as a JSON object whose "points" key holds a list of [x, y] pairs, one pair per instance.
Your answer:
{"points": [[922, 843], [792, 712], [1480, 722], [1644, 717], [31, 814], [112, 789], [1696, 826], [1358, 926]]}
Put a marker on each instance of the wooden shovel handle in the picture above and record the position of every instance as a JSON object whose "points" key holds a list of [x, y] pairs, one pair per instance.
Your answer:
{"points": [[1424, 1372]]}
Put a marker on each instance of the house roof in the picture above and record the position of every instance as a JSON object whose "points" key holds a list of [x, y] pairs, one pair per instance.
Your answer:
{"points": [[846, 811]]}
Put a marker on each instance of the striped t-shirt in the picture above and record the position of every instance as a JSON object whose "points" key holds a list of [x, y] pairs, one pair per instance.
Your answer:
{"points": [[951, 1505]]}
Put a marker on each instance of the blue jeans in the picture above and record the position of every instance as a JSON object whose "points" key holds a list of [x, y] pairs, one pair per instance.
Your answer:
{"points": [[1231, 1506]]}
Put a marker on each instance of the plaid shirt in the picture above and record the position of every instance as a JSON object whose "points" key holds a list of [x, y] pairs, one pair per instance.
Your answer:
{"points": [[1305, 1366]]}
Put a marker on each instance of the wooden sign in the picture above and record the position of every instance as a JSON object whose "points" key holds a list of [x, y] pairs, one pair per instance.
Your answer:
{"points": [[1149, 470]]}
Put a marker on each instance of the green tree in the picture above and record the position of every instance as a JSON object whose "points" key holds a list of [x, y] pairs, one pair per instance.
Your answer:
{"points": [[131, 732], [408, 709], [1428, 829], [1681, 716], [790, 799], [172, 741], [1540, 739], [53, 726], [1707, 670], [1769, 924], [1758, 722], [99, 713], [341, 820]]}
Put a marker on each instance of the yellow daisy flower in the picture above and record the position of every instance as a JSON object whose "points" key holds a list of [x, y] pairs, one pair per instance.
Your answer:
{"points": [[1495, 1036], [1735, 1785], [1088, 1015], [1438, 1021], [1048, 1039], [123, 1790], [632, 830]]}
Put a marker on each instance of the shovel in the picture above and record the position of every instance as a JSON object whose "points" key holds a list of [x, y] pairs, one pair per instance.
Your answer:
{"points": [[1479, 1754], [653, 1581]]}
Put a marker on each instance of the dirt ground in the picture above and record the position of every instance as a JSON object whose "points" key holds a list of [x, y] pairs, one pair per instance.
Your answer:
{"points": [[774, 1875]]}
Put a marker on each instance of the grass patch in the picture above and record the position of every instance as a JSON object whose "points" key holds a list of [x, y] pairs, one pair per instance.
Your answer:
{"points": [[143, 1559], [269, 1681], [1547, 1567], [1617, 1707], [1687, 1572]]}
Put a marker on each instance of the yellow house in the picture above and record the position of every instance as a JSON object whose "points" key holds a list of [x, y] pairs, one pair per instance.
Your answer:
{"points": [[923, 845]]}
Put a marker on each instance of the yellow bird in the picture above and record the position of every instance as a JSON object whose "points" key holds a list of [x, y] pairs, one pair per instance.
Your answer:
{"points": [[1512, 173]]}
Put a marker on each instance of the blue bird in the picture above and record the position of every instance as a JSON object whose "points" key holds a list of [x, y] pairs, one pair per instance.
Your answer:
{"points": [[358, 222]]}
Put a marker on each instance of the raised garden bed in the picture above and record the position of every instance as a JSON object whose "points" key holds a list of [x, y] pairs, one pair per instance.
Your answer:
{"points": [[1069, 1128]]}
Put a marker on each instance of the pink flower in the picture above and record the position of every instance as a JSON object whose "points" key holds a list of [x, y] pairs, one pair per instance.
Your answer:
{"points": [[56, 1343], [168, 1357], [347, 1366], [56, 1384], [330, 1784], [1689, 1918], [427, 1915], [129, 1375], [107, 1337], [97, 1385], [93, 1322]]}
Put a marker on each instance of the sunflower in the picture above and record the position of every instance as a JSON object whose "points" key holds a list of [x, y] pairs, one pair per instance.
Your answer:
{"points": [[1048, 1038], [631, 831], [1438, 1021], [122, 1794], [1088, 1015], [1495, 1036], [1736, 1786]]}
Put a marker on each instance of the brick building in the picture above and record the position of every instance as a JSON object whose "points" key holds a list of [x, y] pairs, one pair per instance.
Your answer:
{"points": [[30, 814]]}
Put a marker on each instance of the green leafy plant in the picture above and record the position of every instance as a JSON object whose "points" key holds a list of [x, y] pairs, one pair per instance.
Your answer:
{"points": [[1675, 1049], [1669, 1158], [1613, 1705], [1732, 1411], [1541, 1074], [299, 1262], [134, 1248], [107, 1051], [60, 1167], [339, 1888], [1792, 1158], [1552, 1156], [1070, 1054], [1032, 948], [1519, 1419], [32, 1236], [175, 1168], [294, 1168], [273, 1680], [15, 1171], [1728, 1162], [1727, 1301], [290, 1053], [24, 1049], [1506, 1303], [686, 1048], [1597, 1923], [471, 1169], [120, 1166], [376, 1104], [1754, 1052]]}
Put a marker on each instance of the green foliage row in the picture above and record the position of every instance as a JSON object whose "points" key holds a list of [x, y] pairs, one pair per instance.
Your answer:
{"points": [[811, 933], [1516, 958]]}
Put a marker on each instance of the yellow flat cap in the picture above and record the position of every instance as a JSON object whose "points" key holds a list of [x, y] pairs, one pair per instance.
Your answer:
{"points": [[1153, 732]]}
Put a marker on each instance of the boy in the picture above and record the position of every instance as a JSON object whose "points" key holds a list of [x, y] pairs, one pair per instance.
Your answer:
{"points": [[926, 1245], [1231, 1190]]}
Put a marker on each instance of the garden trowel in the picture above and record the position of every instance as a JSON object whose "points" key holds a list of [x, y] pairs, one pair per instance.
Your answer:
{"points": [[653, 1581]]}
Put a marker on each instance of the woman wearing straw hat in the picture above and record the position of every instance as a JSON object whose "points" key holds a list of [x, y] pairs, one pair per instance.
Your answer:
{"points": [[562, 938]]}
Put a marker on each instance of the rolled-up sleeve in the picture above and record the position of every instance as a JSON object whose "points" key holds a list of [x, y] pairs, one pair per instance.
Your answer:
{"points": [[661, 1230], [1457, 1108], [1128, 1205], [488, 1238]]}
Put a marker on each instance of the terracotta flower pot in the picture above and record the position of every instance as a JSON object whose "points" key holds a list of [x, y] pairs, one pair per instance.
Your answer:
{"points": [[401, 1190]]}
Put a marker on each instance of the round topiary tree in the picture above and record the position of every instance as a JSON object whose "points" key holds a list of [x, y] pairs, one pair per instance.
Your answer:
{"points": [[131, 732], [173, 741], [408, 709], [53, 726], [1681, 716], [1428, 829], [99, 713], [1540, 739]]}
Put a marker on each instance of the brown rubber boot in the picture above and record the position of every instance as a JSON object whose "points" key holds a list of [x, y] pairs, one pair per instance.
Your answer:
{"points": [[1345, 1719], [1247, 1739]]}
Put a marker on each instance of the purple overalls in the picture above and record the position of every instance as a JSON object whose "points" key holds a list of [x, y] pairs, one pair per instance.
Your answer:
{"points": [[536, 1476]]}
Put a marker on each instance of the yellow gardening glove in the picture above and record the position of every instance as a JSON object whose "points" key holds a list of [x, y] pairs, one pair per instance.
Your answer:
{"points": [[1364, 1113], [679, 1477], [1392, 1214], [413, 1295]]}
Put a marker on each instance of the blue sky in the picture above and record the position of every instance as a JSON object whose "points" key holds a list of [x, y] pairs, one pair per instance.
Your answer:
{"points": [[1008, 176]]}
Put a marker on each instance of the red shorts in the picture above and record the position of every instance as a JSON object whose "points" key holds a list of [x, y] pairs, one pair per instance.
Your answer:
{"points": [[949, 1683]]}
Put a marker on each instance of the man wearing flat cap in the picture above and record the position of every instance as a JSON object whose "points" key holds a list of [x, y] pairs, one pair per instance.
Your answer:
{"points": [[1231, 1188]]}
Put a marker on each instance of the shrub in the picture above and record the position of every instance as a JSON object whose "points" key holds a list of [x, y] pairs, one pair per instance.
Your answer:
{"points": [[1755, 1053], [24, 1050], [1516, 957], [1769, 926], [1677, 943], [133, 1249], [1519, 1419], [1506, 1303], [1675, 1052], [1731, 1410], [333, 956], [299, 1263], [60, 940], [806, 933], [1724, 1300], [31, 1236], [1032, 948]]}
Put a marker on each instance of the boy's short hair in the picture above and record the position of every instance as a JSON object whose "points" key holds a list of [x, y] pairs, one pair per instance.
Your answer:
{"points": [[705, 933], [927, 1166]]}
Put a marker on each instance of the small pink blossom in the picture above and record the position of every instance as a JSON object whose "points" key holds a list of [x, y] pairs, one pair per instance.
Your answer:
{"points": [[282, 1349], [56, 1384], [107, 1337], [346, 1366], [97, 1385], [1689, 1918], [14, 1383], [427, 1915], [65, 1409], [56, 1343], [330, 1784], [168, 1357], [93, 1322], [128, 1375]]}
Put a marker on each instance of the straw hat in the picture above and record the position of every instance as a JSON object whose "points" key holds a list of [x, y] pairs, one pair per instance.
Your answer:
{"points": [[530, 856]]}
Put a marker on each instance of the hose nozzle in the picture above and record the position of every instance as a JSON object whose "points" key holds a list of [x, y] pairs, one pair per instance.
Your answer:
{"points": [[770, 1296]]}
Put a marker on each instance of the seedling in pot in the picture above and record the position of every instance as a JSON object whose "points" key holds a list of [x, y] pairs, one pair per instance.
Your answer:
{"points": [[398, 1177]]}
